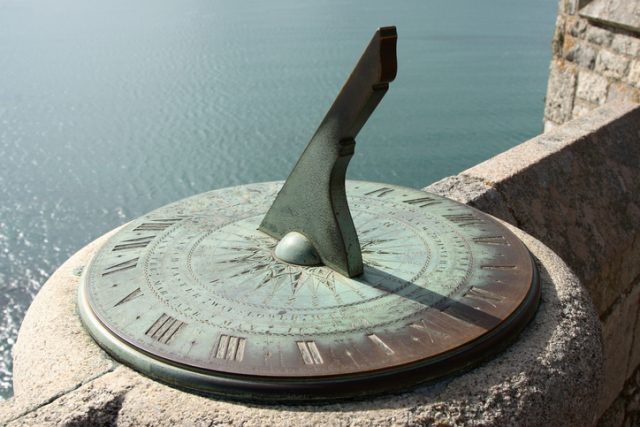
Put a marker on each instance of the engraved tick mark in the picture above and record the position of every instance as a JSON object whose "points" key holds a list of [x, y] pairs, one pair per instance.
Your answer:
{"points": [[381, 344], [423, 201], [137, 243], [464, 219], [498, 267], [157, 224], [309, 352], [492, 240], [379, 192], [133, 295]]}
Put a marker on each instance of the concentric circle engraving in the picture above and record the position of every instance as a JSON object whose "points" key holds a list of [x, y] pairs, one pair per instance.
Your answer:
{"points": [[195, 287]]}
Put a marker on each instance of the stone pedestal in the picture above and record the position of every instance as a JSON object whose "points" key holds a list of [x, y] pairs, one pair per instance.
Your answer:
{"points": [[549, 376]]}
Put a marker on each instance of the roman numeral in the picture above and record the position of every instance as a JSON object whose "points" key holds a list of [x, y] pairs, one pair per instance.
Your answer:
{"points": [[381, 344], [126, 265], [137, 243], [423, 201], [309, 352], [230, 348], [464, 219], [492, 240], [157, 224], [379, 192], [165, 328], [485, 296], [133, 295]]}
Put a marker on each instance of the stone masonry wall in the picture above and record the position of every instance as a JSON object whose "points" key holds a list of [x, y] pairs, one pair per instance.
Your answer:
{"points": [[577, 189], [593, 62]]}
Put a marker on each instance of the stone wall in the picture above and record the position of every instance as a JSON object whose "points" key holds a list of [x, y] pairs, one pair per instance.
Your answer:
{"points": [[577, 189], [596, 58]]}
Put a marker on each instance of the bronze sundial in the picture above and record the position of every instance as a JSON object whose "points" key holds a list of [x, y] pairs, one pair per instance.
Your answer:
{"points": [[318, 289]]}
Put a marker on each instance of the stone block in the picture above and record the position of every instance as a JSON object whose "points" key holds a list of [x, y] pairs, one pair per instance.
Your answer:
{"points": [[599, 36], [548, 125], [620, 92], [611, 65], [592, 87], [582, 107], [634, 74], [570, 7], [577, 27], [560, 92], [580, 52], [634, 357], [626, 45], [617, 339], [613, 13], [558, 36]]}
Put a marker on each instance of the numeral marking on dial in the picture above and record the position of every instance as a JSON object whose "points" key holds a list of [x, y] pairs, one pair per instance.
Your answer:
{"points": [[157, 225], [379, 192], [483, 295], [133, 295], [464, 219], [122, 266], [230, 348], [309, 352], [165, 328], [137, 243], [423, 202], [381, 344], [492, 240]]}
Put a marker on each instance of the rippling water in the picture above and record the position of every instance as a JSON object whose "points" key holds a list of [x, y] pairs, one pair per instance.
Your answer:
{"points": [[110, 108]]}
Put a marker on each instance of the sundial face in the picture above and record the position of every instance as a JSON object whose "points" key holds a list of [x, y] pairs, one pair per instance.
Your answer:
{"points": [[312, 289], [196, 286]]}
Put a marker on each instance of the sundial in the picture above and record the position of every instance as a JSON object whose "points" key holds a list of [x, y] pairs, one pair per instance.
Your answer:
{"points": [[315, 289]]}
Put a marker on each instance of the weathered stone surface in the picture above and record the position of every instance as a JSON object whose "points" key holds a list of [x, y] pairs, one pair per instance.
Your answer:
{"points": [[582, 107], [627, 45], [579, 52], [558, 36], [611, 65], [471, 191], [68, 365], [634, 354], [560, 92], [577, 27], [568, 186], [558, 355], [620, 92], [625, 411], [592, 87], [617, 339], [599, 36], [634, 74], [617, 13]]}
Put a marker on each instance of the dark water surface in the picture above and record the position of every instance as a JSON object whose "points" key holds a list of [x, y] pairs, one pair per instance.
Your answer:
{"points": [[111, 108]]}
